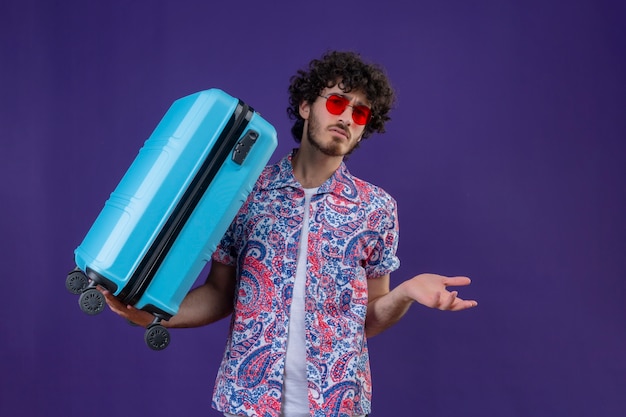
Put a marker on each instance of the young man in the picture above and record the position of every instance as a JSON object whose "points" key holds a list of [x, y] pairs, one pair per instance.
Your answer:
{"points": [[304, 268]]}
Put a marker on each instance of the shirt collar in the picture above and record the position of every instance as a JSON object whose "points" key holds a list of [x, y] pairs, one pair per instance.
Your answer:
{"points": [[341, 183]]}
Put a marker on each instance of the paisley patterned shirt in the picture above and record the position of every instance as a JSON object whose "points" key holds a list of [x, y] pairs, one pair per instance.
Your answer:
{"points": [[353, 237]]}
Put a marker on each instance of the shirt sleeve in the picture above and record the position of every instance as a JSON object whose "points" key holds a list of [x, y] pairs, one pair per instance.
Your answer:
{"points": [[225, 252], [383, 259]]}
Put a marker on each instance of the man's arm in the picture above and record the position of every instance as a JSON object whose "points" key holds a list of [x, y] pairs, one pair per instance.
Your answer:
{"points": [[205, 304], [385, 307]]}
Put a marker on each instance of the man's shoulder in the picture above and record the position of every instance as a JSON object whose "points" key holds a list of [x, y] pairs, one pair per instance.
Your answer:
{"points": [[270, 174], [370, 192]]}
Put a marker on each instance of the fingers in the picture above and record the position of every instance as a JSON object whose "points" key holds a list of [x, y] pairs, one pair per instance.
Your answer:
{"points": [[110, 299], [448, 301], [454, 303], [463, 304], [116, 305], [127, 311], [456, 281]]}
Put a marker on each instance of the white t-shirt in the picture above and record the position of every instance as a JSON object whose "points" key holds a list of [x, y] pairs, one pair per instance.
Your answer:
{"points": [[295, 392]]}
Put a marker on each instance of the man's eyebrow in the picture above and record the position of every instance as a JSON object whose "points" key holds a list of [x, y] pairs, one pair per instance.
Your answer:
{"points": [[348, 96]]}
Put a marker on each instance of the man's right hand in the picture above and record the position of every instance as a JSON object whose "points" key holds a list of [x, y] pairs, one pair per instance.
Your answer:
{"points": [[130, 313]]}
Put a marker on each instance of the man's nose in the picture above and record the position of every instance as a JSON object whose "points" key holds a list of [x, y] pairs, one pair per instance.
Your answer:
{"points": [[346, 115]]}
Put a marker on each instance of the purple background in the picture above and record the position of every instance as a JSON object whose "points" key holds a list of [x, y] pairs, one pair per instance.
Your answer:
{"points": [[505, 153]]}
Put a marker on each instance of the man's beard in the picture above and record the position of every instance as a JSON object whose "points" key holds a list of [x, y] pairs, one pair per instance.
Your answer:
{"points": [[334, 147]]}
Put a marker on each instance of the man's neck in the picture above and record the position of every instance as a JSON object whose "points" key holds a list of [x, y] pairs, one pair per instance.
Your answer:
{"points": [[312, 168]]}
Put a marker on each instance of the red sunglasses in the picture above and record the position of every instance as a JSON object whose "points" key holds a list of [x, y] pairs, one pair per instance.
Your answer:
{"points": [[336, 104]]}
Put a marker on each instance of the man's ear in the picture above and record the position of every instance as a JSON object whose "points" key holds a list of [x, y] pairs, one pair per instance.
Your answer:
{"points": [[304, 109]]}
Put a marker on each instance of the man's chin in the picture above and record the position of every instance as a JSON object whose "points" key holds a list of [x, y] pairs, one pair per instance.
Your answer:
{"points": [[335, 149], [338, 146]]}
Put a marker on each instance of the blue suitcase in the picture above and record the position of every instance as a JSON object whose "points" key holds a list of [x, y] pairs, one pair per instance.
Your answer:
{"points": [[165, 218]]}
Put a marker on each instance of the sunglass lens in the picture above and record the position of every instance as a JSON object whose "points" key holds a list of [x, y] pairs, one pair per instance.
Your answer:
{"points": [[361, 115], [336, 104]]}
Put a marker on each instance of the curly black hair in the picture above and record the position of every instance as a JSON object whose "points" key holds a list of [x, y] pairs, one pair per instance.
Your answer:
{"points": [[352, 73]]}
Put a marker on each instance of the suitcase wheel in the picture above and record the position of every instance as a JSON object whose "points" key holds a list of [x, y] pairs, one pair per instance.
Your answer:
{"points": [[76, 281], [157, 337], [91, 301]]}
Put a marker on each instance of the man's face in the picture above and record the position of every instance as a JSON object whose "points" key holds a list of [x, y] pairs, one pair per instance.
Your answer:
{"points": [[333, 134]]}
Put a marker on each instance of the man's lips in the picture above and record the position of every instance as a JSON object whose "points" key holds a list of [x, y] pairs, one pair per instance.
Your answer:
{"points": [[340, 131]]}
